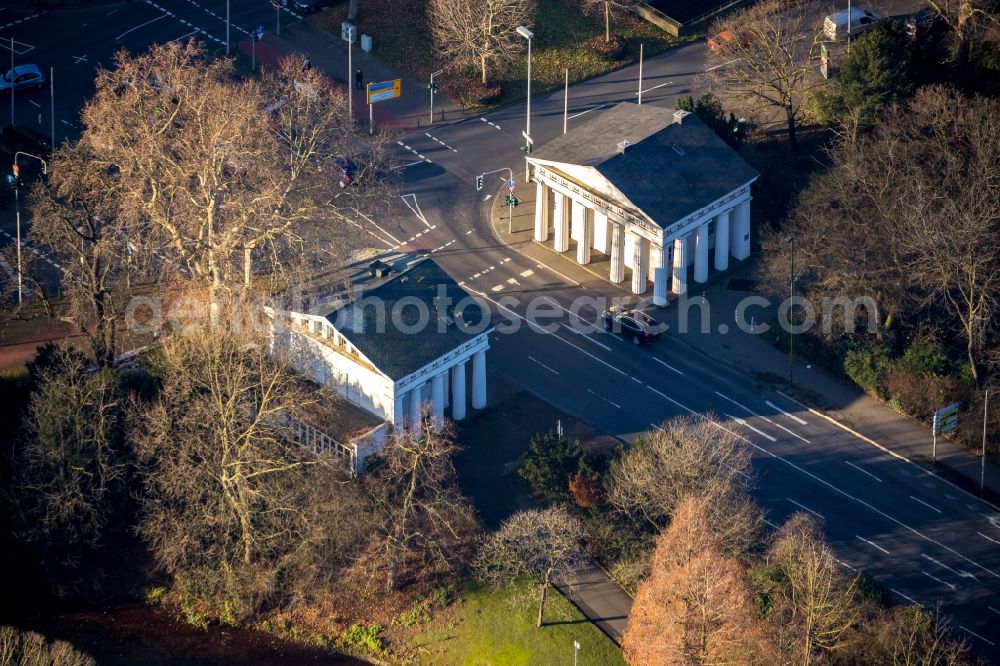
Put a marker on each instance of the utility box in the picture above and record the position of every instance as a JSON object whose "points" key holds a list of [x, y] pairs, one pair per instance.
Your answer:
{"points": [[366, 43]]}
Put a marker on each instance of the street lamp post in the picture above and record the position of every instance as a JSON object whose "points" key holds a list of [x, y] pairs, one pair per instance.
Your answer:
{"points": [[527, 34], [15, 180], [227, 27], [791, 297]]}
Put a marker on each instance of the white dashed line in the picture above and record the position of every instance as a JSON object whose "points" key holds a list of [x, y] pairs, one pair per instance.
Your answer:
{"points": [[972, 633], [894, 590], [863, 471], [615, 404], [932, 508], [939, 580], [667, 365], [805, 508], [543, 365], [872, 543]]}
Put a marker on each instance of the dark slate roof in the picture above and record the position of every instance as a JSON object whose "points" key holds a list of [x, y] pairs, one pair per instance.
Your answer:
{"points": [[395, 352], [668, 171]]}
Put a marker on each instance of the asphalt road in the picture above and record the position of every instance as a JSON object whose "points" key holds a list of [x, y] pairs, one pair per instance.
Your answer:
{"points": [[925, 540]]}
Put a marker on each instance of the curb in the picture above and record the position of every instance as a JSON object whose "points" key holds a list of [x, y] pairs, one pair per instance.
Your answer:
{"points": [[892, 453]]}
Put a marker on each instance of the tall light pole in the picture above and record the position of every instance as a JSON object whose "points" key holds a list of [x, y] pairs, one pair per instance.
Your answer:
{"points": [[791, 296], [527, 34], [15, 180], [982, 458], [12, 77], [566, 102]]}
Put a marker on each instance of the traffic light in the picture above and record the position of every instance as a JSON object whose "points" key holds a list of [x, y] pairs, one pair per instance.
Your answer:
{"points": [[433, 87], [512, 201], [479, 182], [14, 177]]}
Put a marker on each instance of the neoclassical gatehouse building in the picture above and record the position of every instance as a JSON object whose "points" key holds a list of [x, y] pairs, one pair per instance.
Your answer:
{"points": [[397, 345], [657, 191]]}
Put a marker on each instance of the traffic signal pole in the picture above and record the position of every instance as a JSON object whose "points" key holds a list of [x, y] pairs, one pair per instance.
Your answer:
{"points": [[511, 199]]}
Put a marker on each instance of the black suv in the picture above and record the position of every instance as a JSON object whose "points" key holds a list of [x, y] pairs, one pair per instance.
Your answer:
{"points": [[633, 325]]}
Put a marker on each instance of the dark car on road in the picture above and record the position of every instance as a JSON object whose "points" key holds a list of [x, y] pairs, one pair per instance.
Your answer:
{"points": [[305, 6], [634, 325]]}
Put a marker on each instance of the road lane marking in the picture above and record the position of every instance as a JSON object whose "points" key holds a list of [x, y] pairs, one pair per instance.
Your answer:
{"points": [[654, 87], [498, 287], [789, 415], [141, 25], [863, 471], [789, 431], [667, 365], [873, 544], [604, 399], [953, 588], [971, 632], [932, 508], [36, 104], [532, 358], [988, 538], [745, 424], [743, 407], [527, 273], [805, 508], [711, 69], [586, 337], [593, 108], [961, 573], [535, 326], [994, 610], [892, 589]]}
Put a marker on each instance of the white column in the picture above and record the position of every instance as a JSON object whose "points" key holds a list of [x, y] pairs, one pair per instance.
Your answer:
{"points": [[601, 235], [560, 222], [437, 401], [722, 241], [585, 232], [701, 254], [416, 425], [640, 264], [399, 413], [479, 380], [741, 232], [458, 392], [617, 253], [660, 280], [680, 266], [541, 212]]}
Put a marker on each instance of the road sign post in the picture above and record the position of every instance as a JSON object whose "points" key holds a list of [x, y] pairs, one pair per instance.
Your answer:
{"points": [[380, 92], [277, 13], [945, 420], [349, 32]]}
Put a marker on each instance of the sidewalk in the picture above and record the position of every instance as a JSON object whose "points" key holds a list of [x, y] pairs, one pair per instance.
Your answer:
{"points": [[328, 53], [833, 397]]}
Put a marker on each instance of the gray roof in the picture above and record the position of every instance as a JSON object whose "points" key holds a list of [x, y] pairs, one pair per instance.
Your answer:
{"points": [[373, 321], [669, 170]]}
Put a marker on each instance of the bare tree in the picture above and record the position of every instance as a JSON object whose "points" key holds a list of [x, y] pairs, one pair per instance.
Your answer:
{"points": [[610, 7], [76, 219], [233, 507], [479, 33], [694, 608], [769, 65], [966, 19], [820, 602], [27, 648], [420, 513], [908, 636], [542, 544], [688, 457], [70, 473], [213, 170]]}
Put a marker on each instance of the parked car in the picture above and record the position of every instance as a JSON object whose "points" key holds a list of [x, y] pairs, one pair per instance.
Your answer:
{"points": [[634, 325], [305, 6], [922, 22], [347, 171], [719, 42], [835, 26], [22, 76]]}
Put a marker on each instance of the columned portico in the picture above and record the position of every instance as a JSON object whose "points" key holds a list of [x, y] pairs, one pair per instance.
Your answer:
{"points": [[602, 235], [458, 392], [399, 413], [542, 208], [679, 286], [722, 240], [701, 254], [560, 214], [640, 263], [479, 380]]}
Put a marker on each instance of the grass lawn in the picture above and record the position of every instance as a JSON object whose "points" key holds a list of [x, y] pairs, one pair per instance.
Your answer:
{"points": [[561, 33], [484, 626]]}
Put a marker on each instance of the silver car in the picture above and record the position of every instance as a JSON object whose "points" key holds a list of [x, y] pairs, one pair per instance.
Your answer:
{"points": [[22, 76]]}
